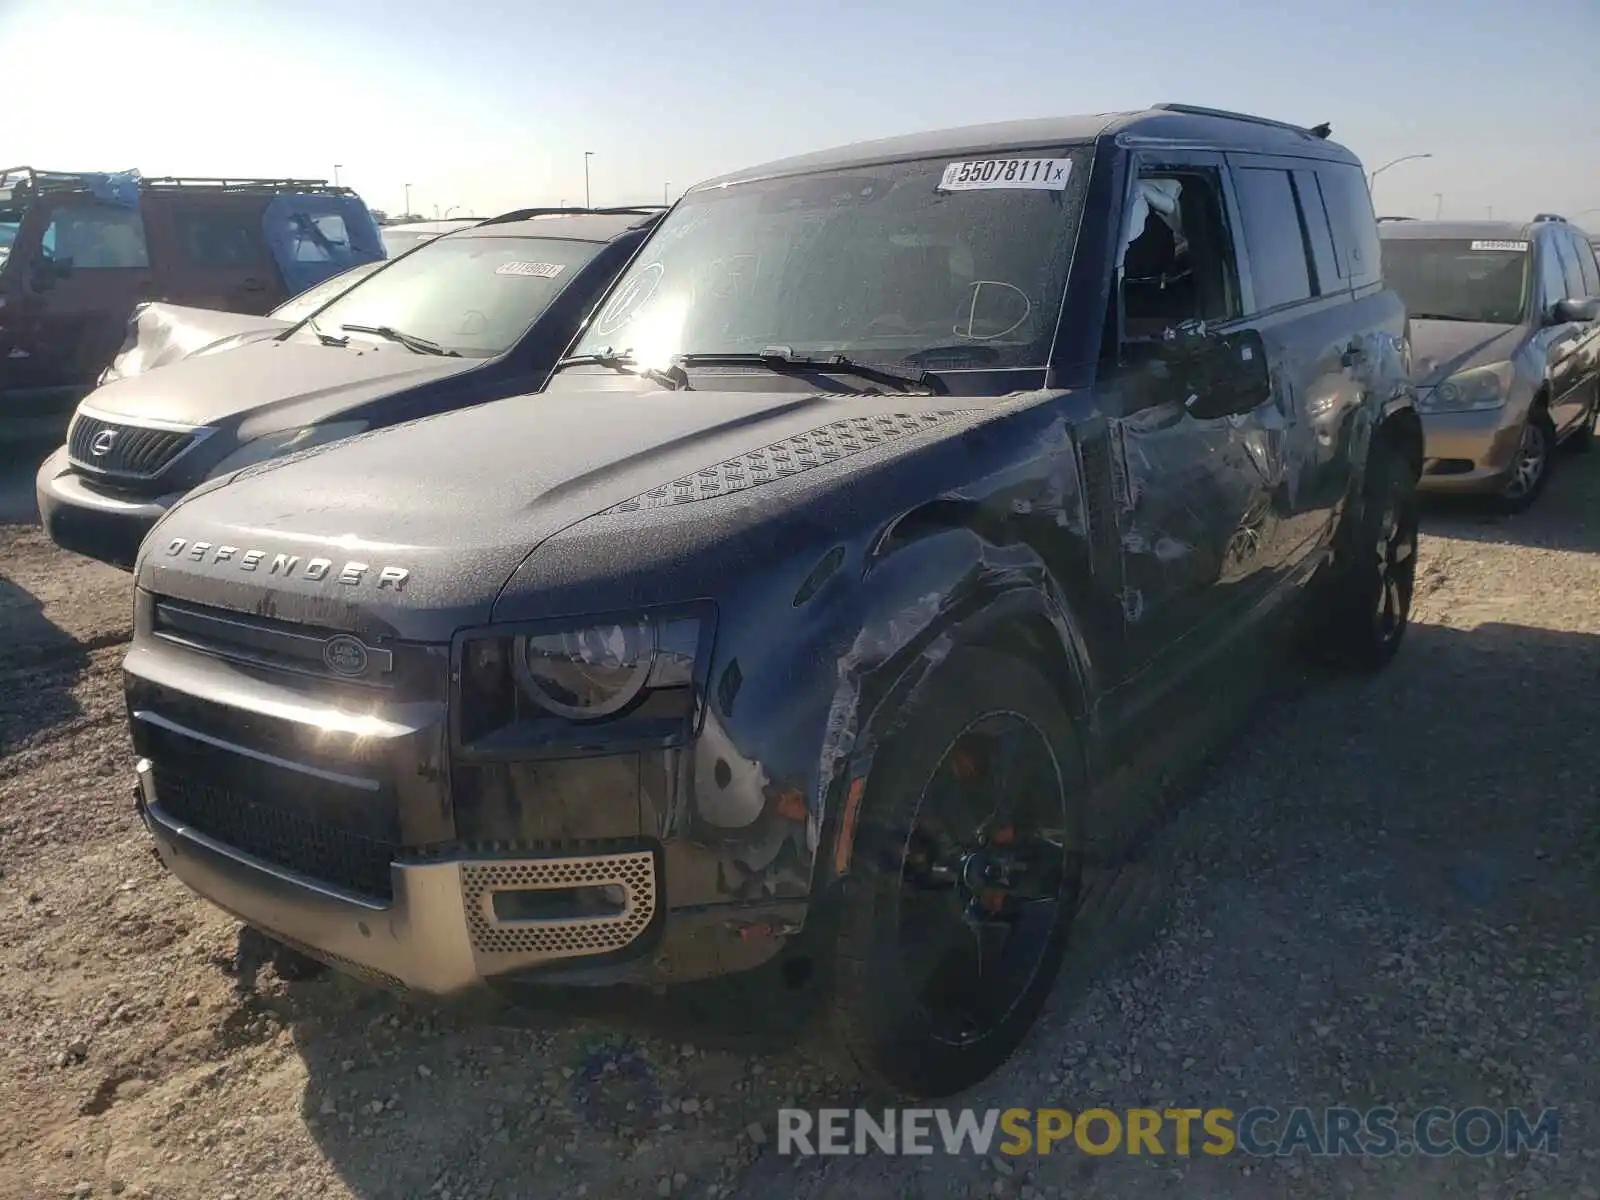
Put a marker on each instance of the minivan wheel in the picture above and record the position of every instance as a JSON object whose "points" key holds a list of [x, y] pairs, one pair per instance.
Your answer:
{"points": [[1370, 598], [963, 880], [1530, 465]]}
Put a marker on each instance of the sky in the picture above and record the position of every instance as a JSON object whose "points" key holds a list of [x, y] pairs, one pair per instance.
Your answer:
{"points": [[486, 105]]}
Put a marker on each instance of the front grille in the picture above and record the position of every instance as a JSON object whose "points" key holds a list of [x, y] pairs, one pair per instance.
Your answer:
{"points": [[255, 825], [135, 451], [273, 644]]}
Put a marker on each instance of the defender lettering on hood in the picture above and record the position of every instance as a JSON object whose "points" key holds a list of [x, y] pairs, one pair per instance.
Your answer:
{"points": [[288, 566]]}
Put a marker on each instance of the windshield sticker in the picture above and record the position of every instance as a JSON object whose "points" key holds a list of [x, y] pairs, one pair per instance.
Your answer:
{"points": [[1039, 174], [1516, 246], [534, 270], [629, 298]]}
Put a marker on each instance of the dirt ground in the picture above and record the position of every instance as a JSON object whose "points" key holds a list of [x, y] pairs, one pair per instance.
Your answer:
{"points": [[1385, 892]]}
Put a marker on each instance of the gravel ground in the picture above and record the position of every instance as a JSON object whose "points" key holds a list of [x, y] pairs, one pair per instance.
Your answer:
{"points": [[1384, 893]]}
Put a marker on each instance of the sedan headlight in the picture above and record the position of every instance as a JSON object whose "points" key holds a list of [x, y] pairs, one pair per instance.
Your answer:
{"points": [[290, 441], [1470, 391], [618, 679]]}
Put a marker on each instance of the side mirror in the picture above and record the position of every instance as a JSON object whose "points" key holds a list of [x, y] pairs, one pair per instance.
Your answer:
{"points": [[1219, 375], [1565, 311]]}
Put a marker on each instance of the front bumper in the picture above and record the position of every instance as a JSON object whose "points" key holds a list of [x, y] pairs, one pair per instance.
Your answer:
{"points": [[440, 932], [1469, 451], [94, 524]]}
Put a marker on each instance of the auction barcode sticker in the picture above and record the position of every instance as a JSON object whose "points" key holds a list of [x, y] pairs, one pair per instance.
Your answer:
{"points": [[1519, 246], [1043, 174], [537, 270]]}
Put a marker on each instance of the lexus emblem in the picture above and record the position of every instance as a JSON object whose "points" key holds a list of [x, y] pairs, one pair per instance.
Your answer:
{"points": [[103, 441], [345, 655]]}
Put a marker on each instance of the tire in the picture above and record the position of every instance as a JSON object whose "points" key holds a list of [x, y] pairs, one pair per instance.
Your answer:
{"points": [[943, 806], [1368, 604], [1523, 484]]}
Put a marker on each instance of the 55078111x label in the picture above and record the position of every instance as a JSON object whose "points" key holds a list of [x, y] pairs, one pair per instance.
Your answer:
{"points": [[1040, 174]]}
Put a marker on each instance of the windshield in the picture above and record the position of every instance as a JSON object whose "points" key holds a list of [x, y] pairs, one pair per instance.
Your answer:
{"points": [[474, 295], [307, 302], [944, 264], [397, 241], [1459, 280]]}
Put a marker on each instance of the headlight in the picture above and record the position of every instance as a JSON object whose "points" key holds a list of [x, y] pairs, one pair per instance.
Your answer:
{"points": [[1480, 388], [275, 445], [633, 676]]}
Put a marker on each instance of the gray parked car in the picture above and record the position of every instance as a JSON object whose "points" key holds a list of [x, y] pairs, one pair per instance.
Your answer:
{"points": [[1505, 338]]}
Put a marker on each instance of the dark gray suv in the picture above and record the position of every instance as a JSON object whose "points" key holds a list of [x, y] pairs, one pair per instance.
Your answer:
{"points": [[901, 514]]}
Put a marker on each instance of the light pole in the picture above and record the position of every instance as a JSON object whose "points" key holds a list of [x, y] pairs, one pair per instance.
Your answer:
{"points": [[450, 210], [1371, 179], [408, 199], [587, 155], [664, 201], [336, 167], [1438, 205]]}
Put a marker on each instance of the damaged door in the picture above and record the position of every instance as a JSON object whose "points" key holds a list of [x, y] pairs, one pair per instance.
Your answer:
{"points": [[1196, 412]]}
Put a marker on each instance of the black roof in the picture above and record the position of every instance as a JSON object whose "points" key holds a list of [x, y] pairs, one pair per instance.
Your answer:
{"points": [[1176, 123], [575, 224]]}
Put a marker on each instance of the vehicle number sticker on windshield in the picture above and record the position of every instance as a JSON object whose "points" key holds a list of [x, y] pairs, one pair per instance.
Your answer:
{"points": [[1518, 246], [1044, 174], [537, 270]]}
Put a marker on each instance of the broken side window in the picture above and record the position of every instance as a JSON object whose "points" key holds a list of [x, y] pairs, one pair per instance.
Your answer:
{"points": [[1178, 264]]}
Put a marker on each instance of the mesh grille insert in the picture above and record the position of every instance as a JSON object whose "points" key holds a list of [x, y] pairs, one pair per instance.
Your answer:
{"points": [[273, 834], [633, 872]]}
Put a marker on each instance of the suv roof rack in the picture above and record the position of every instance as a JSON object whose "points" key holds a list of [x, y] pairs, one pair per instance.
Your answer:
{"points": [[1537, 217], [202, 182], [29, 181], [524, 214], [1197, 110]]}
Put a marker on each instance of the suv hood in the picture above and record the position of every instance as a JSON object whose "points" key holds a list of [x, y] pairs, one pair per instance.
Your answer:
{"points": [[278, 384], [1440, 349], [166, 333], [459, 500]]}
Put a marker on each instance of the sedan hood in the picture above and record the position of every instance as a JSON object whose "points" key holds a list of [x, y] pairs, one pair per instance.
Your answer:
{"points": [[270, 385], [456, 502], [1440, 349]]}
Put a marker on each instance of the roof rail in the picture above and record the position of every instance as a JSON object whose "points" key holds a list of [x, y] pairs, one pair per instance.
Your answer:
{"points": [[1396, 218], [524, 214], [1537, 217], [1196, 110]]}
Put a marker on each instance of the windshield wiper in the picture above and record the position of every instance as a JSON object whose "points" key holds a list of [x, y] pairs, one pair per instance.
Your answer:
{"points": [[781, 358], [326, 338], [1416, 316], [673, 378], [409, 340]]}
